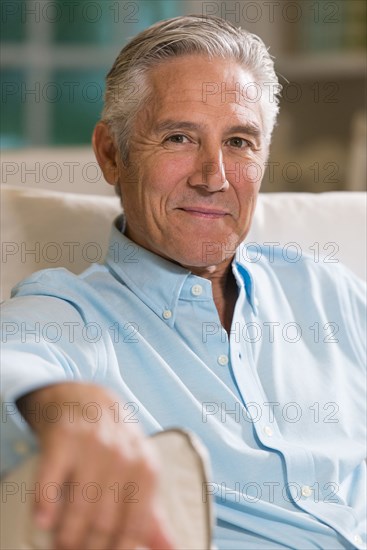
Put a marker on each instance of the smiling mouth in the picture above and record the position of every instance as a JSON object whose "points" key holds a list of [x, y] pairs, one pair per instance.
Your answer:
{"points": [[201, 212]]}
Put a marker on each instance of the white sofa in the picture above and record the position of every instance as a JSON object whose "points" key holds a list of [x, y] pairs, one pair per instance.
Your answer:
{"points": [[44, 228]]}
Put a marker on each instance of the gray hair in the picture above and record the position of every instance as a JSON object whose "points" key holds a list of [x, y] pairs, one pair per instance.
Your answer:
{"points": [[127, 89]]}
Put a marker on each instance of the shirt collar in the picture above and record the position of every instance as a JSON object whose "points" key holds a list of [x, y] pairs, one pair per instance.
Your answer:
{"points": [[243, 275], [123, 256]]}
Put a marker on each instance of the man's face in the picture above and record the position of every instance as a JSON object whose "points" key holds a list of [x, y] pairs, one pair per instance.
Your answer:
{"points": [[196, 161]]}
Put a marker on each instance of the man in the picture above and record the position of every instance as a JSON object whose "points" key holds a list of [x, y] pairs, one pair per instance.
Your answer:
{"points": [[282, 417]]}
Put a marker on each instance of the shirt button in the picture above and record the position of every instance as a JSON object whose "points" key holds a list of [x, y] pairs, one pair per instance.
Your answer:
{"points": [[196, 290], [167, 314], [268, 431], [306, 491], [357, 539], [223, 360], [21, 448]]}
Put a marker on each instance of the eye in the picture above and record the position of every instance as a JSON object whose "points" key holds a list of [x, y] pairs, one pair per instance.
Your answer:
{"points": [[177, 138], [239, 143]]}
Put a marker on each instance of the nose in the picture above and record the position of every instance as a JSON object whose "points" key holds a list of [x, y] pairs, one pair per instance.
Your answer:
{"points": [[209, 172]]}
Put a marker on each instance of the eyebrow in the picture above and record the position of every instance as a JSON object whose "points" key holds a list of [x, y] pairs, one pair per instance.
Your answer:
{"points": [[176, 125], [250, 128]]}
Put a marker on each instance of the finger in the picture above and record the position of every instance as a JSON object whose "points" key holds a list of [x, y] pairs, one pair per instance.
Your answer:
{"points": [[76, 516], [98, 540], [90, 517], [53, 470], [162, 535], [136, 510], [160, 538], [142, 524], [107, 517]]}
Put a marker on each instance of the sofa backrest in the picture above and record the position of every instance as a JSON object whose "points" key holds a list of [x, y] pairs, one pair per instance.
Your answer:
{"points": [[42, 229]]}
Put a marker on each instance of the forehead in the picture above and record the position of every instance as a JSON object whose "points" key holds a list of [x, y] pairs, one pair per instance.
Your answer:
{"points": [[219, 88]]}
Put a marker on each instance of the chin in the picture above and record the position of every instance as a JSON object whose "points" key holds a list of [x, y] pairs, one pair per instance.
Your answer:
{"points": [[204, 254]]}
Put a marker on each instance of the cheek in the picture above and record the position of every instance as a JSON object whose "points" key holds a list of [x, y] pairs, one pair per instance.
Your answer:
{"points": [[245, 174], [150, 189], [164, 176], [247, 190], [253, 173], [175, 166]]}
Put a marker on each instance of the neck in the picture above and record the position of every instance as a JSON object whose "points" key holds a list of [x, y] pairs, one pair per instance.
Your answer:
{"points": [[224, 287]]}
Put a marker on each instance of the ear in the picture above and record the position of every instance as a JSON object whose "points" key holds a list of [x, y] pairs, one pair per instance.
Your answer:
{"points": [[106, 153]]}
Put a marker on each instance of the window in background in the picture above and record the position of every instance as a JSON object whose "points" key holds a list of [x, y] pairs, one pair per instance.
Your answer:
{"points": [[55, 55]]}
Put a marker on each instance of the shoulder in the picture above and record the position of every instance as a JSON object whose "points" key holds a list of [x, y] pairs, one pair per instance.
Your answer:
{"points": [[298, 277], [56, 282], [291, 261], [50, 291]]}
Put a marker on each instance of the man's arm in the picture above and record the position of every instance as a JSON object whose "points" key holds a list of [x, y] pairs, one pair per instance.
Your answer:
{"points": [[87, 460], [110, 458]]}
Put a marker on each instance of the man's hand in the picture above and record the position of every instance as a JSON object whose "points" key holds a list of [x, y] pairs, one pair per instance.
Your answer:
{"points": [[104, 472]]}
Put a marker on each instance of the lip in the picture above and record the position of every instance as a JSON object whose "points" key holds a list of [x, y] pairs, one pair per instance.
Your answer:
{"points": [[202, 212]]}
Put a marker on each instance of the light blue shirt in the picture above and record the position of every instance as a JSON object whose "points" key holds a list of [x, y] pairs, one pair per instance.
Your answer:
{"points": [[280, 404]]}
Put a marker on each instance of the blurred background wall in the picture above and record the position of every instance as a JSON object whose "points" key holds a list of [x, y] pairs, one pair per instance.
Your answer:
{"points": [[55, 55]]}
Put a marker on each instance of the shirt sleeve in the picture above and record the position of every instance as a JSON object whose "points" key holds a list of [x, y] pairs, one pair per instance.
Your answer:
{"points": [[44, 341]]}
